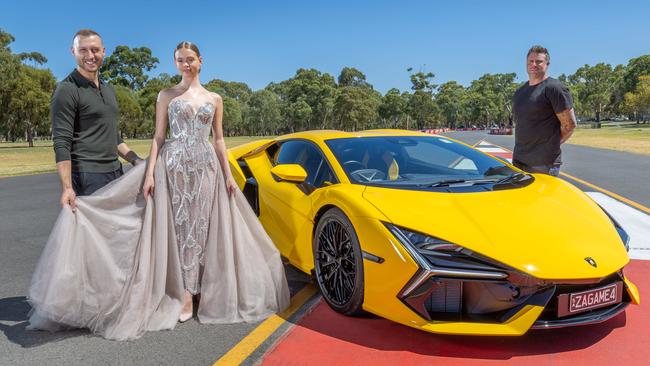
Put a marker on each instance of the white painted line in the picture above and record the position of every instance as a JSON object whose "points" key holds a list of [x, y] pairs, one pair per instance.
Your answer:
{"points": [[492, 149], [635, 222]]}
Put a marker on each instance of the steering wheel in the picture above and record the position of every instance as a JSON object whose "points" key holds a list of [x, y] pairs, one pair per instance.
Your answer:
{"points": [[350, 164], [368, 175]]}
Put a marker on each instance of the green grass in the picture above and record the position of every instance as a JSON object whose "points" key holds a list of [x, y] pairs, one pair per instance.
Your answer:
{"points": [[622, 136], [19, 159]]}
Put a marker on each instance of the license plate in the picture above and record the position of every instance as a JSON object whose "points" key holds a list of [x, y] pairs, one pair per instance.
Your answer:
{"points": [[577, 302]]}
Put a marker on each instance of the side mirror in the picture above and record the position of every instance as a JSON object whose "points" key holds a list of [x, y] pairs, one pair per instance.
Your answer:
{"points": [[293, 173]]}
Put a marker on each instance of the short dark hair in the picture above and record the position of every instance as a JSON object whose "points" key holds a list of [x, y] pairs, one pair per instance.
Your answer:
{"points": [[539, 49], [85, 33], [188, 45]]}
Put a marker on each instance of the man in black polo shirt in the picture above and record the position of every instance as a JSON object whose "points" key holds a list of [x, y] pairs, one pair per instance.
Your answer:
{"points": [[544, 117], [84, 124]]}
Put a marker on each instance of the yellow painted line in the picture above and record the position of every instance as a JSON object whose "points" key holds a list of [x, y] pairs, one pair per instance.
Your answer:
{"points": [[254, 339], [612, 194], [590, 185]]}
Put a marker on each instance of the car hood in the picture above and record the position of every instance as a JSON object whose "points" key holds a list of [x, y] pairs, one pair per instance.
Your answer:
{"points": [[545, 229]]}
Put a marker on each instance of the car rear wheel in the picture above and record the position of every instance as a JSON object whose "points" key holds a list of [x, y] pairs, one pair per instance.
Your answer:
{"points": [[338, 263]]}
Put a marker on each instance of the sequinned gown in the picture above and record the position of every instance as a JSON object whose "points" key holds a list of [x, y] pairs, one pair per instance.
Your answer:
{"points": [[191, 174], [119, 265]]}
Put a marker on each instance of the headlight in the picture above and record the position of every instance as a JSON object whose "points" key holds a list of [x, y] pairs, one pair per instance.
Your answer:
{"points": [[621, 232], [430, 251]]}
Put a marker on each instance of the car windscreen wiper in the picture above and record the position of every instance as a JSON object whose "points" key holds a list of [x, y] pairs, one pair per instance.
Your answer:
{"points": [[449, 182], [512, 178]]}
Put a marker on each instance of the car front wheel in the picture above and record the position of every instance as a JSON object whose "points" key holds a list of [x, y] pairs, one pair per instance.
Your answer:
{"points": [[338, 263]]}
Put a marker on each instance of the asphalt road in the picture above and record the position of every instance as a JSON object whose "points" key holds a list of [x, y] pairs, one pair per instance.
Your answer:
{"points": [[625, 174], [29, 206]]}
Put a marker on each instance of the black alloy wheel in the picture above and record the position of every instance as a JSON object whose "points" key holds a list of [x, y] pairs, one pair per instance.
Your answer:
{"points": [[338, 263]]}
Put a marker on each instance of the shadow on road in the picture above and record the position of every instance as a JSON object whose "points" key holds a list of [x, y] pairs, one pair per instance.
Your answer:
{"points": [[14, 313], [341, 339], [370, 332], [16, 310]]}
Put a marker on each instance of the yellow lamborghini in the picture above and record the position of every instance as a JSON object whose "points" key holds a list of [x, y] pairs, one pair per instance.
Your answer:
{"points": [[434, 234]]}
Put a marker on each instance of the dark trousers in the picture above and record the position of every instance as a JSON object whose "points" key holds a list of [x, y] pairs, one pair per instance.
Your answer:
{"points": [[85, 184], [550, 169]]}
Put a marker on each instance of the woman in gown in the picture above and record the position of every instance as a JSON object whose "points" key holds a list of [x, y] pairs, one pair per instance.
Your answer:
{"points": [[128, 261]]}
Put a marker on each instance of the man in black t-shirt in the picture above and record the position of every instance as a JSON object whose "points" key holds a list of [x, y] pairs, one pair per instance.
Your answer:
{"points": [[544, 117], [84, 124]]}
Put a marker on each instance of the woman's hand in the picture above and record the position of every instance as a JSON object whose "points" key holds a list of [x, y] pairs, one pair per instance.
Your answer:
{"points": [[148, 186], [231, 185]]}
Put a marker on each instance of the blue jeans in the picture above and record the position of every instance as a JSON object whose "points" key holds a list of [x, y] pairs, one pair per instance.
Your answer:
{"points": [[550, 169]]}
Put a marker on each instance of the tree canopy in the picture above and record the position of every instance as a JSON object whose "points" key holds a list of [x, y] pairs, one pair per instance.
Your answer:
{"points": [[128, 67], [312, 99]]}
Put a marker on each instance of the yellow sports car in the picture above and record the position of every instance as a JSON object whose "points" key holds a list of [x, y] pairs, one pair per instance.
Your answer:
{"points": [[434, 234]]}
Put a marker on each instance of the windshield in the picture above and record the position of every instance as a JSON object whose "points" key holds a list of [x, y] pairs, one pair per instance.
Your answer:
{"points": [[420, 161]]}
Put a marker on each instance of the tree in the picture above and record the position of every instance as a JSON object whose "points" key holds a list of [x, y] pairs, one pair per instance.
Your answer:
{"points": [[10, 69], [233, 89], [307, 98], [575, 89], [30, 101], [24, 93], [449, 98], [130, 120], [637, 102], [296, 115], [617, 96], [421, 81], [147, 97], [421, 105], [392, 109], [597, 84], [635, 68], [35, 57], [232, 121], [472, 107], [350, 76], [506, 87], [491, 96], [264, 112], [237, 91], [127, 66], [356, 108], [5, 40]]}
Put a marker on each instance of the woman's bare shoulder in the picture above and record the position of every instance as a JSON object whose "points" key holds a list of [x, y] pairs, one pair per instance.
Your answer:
{"points": [[216, 98], [167, 94]]}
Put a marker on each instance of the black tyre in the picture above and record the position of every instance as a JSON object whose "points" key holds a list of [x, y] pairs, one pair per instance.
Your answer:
{"points": [[338, 263]]}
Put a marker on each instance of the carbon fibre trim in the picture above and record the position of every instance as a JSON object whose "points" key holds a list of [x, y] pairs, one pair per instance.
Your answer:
{"points": [[595, 317]]}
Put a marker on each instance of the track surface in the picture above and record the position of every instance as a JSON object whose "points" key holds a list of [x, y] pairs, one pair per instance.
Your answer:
{"points": [[333, 339], [28, 209]]}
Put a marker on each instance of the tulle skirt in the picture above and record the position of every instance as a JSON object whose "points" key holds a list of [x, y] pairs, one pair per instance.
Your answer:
{"points": [[113, 265]]}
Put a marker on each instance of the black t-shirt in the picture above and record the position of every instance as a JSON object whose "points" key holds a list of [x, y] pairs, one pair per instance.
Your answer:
{"points": [[537, 132]]}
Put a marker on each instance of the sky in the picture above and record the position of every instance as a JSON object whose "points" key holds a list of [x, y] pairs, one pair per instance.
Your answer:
{"points": [[258, 42]]}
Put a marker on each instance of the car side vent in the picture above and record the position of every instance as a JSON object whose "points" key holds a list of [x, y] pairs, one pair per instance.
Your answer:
{"points": [[250, 188], [244, 168]]}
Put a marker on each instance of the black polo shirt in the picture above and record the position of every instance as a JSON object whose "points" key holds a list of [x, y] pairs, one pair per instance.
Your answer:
{"points": [[84, 124]]}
